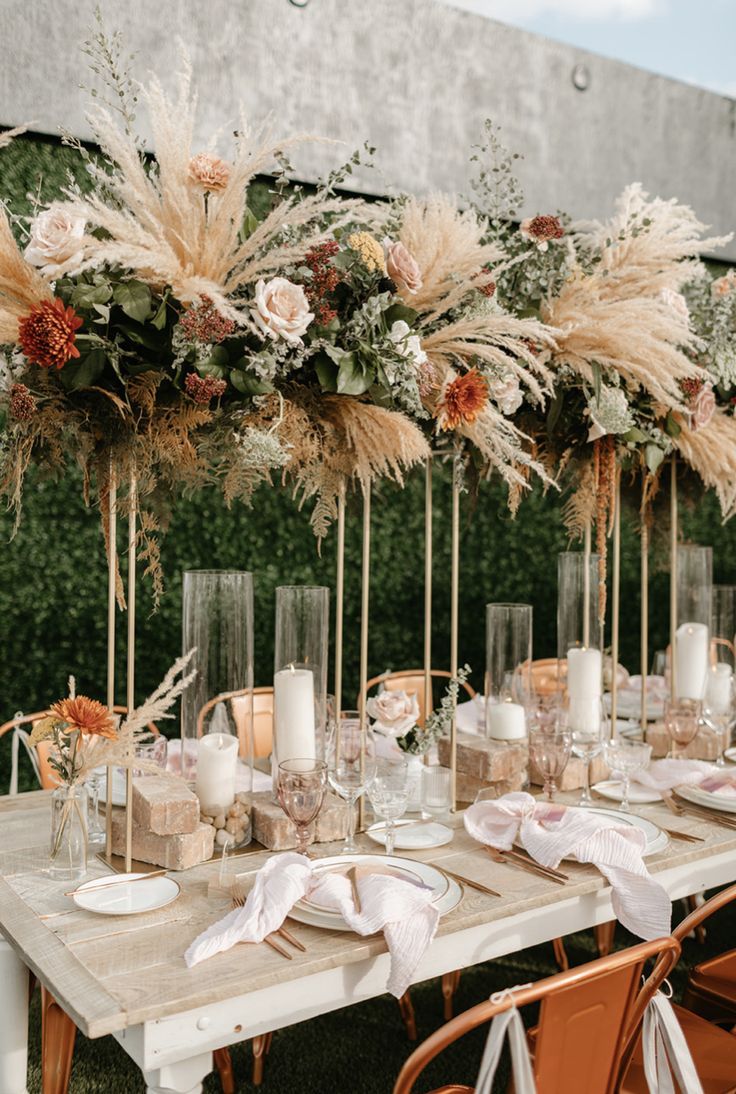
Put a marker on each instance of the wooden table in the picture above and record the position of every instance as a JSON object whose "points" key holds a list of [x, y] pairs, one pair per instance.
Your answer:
{"points": [[127, 977]]}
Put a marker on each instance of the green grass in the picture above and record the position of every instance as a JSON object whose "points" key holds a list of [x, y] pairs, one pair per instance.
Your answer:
{"points": [[361, 1049]]}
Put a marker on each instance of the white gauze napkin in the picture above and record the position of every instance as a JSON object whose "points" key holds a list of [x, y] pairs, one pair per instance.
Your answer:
{"points": [[401, 909], [666, 774], [550, 833]]}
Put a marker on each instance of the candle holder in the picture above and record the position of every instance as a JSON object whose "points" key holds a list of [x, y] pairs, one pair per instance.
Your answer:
{"points": [[691, 655], [508, 669], [300, 674], [217, 621], [723, 624]]}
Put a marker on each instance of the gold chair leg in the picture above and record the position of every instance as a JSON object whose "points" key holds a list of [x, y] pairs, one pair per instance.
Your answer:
{"points": [[560, 954], [407, 1013], [450, 982], [224, 1067], [58, 1034], [604, 934], [261, 1048]]}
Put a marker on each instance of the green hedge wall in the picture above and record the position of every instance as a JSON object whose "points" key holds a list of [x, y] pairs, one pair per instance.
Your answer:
{"points": [[53, 575]]}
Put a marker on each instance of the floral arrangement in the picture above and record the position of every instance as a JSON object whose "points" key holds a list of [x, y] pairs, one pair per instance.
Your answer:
{"points": [[395, 714]]}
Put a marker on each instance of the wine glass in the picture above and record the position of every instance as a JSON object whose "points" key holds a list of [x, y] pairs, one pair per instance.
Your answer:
{"points": [[626, 756], [585, 721], [389, 794], [682, 721], [301, 789], [351, 765], [549, 750], [718, 706]]}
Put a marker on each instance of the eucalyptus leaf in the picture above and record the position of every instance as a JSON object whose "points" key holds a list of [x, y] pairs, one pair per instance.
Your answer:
{"points": [[249, 385], [671, 426], [250, 223], [326, 372], [596, 368], [653, 455], [159, 319], [398, 312], [635, 436], [352, 379]]}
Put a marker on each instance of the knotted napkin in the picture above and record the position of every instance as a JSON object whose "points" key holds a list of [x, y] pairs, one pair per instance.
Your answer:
{"points": [[550, 833], [667, 774], [395, 905]]}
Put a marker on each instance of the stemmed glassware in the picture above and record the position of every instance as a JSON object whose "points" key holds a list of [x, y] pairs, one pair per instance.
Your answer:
{"points": [[682, 721], [389, 794], [549, 749], [351, 765], [301, 790], [587, 730], [718, 706], [626, 756]]}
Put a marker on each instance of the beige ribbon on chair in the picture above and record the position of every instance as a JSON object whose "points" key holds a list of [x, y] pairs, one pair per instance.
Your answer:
{"points": [[666, 1051], [508, 1023]]}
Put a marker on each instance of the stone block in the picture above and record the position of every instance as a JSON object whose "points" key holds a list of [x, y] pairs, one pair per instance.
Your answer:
{"points": [[164, 804], [484, 759], [274, 830], [705, 746], [179, 851], [573, 775]]}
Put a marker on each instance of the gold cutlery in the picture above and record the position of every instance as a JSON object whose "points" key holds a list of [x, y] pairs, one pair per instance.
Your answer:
{"points": [[469, 881], [353, 878], [529, 864], [681, 807], [239, 902], [113, 880], [687, 837]]}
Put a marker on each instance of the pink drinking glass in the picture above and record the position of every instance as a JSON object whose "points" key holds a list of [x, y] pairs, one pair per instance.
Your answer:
{"points": [[301, 789]]}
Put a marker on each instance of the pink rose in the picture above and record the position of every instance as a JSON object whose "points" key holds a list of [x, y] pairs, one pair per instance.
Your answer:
{"points": [[281, 310], [56, 236], [395, 712], [676, 301], [209, 172], [724, 286], [403, 268], [703, 407], [506, 393]]}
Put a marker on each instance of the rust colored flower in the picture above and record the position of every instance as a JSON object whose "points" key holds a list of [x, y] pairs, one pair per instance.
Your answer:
{"points": [[463, 399], [22, 403], [541, 230], [203, 323], [47, 335], [209, 172], [85, 715], [204, 388]]}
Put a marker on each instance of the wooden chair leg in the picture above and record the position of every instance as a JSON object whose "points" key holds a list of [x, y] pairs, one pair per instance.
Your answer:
{"points": [[560, 954], [224, 1067], [604, 933], [450, 982], [261, 1048], [58, 1034], [407, 1013]]}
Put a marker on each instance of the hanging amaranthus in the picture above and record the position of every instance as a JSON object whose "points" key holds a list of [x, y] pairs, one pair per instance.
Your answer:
{"points": [[604, 478]]}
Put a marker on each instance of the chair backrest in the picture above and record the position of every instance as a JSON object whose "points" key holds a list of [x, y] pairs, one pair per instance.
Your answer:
{"points": [[412, 681], [588, 1016], [690, 922], [262, 722]]}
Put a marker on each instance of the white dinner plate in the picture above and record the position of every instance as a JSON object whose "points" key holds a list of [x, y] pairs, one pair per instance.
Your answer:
{"points": [[704, 797], [413, 835], [448, 893], [628, 705], [613, 789], [122, 894], [657, 840], [730, 755]]}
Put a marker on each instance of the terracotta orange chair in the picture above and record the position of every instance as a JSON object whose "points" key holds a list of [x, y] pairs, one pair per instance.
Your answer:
{"points": [[586, 1020]]}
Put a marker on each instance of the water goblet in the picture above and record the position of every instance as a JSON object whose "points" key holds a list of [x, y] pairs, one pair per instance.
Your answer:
{"points": [[585, 721], [626, 756], [718, 706], [389, 794], [682, 721], [351, 765], [301, 789], [549, 749]]}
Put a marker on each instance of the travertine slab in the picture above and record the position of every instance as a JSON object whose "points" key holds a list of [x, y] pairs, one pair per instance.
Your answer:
{"points": [[164, 804], [179, 851], [704, 747], [274, 830], [481, 761]]}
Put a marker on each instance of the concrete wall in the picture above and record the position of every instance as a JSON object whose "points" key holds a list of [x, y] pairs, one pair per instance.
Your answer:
{"points": [[414, 77]]}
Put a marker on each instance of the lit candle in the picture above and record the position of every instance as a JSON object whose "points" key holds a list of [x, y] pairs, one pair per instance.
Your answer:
{"points": [[217, 760], [293, 711], [505, 721], [718, 692], [691, 660]]}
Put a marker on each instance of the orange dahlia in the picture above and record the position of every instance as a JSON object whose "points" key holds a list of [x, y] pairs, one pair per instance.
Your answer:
{"points": [[462, 399], [47, 335], [86, 715]]}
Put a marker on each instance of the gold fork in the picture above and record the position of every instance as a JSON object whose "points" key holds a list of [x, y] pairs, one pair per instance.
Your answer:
{"points": [[239, 902]]}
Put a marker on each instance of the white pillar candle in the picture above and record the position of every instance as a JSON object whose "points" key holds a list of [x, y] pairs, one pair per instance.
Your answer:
{"points": [[217, 760], [505, 721], [584, 674], [293, 709], [691, 660], [718, 692], [584, 715]]}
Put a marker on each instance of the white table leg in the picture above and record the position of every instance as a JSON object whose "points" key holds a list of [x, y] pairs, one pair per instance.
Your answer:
{"points": [[184, 1077], [14, 1021]]}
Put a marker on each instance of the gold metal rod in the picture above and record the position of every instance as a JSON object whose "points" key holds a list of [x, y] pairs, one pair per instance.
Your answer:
{"points": [[454, 617], [130, 674], [428, 589], [112, 573], [616, 598], [673, 574], [364, 607], [586, 584], [644, 639], [339, 611]]}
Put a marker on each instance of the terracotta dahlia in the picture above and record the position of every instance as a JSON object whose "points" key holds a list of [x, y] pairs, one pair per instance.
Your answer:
{"points": [[462, 400], [85, 715], [47, 336]]}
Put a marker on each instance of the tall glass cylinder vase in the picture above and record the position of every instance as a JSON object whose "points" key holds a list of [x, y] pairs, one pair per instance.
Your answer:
{"points": [[508, 669], [300, 673], [217, 620], [578, 656], [691, 655], [723, 624]]}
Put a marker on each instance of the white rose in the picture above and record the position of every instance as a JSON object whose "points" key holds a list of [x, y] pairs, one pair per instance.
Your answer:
{"points": [[281, 310], [506, 393], [56, 236], [407, 344], [676, 301], [395, 712]]}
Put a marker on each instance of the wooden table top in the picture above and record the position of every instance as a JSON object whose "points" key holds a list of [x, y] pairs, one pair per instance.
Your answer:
{"points": [[110, 973]]}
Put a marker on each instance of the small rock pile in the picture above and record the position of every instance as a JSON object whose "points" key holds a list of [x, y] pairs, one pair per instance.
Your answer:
{"points": [[232, 827]]}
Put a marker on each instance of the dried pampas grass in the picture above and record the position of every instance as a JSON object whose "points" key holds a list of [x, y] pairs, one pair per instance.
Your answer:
{"points": [[10, 134], [711, 453], [21, 285]]}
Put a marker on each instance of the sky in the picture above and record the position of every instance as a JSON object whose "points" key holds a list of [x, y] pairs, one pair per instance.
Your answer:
{"points": [[690, 40]]}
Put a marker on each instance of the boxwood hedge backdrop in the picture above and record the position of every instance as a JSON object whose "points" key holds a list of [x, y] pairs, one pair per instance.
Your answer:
{"points": [[53, 573]]}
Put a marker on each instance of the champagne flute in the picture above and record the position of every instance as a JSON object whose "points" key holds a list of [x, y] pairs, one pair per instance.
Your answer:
{"points": [[351, 765], [718, 706], [549, 750], [301, 789], [585, 722], [389, 794]]}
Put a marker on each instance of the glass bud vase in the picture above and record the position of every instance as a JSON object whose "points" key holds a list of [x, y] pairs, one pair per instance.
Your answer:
{"points": [[69, 834]]}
